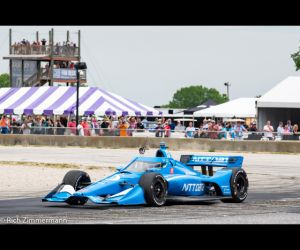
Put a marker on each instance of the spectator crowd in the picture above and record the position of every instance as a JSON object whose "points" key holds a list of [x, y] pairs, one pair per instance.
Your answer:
{"points": [[127, 126], [25, 47]]}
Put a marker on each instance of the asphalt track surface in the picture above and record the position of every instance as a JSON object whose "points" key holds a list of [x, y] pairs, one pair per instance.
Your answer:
{"points": [[274, 198], [259, 208]]}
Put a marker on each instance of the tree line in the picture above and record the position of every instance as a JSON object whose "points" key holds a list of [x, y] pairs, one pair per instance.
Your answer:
{"points": [[4, 80]]}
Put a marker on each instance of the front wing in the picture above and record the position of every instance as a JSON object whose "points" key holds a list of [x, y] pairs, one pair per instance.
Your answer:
{"points": [[130, 196]]}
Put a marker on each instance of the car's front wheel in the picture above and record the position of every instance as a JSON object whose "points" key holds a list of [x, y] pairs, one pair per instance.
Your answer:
{"points": [[78, 180], [155, 189]]}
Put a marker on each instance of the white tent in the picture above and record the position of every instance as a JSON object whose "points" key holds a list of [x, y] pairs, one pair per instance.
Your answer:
{"points": [[281, 103], [241, 107], [284, 95]]}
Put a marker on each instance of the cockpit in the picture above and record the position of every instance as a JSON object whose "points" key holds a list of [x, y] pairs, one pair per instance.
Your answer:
{"points": [[142, 165]]}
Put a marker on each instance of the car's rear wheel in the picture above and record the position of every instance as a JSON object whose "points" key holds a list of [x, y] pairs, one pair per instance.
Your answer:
{"points": [[78, 180], [239, 186], [155, 189]]}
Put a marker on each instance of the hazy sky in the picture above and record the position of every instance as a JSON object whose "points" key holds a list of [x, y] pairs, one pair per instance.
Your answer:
{"points": [[149, 63]]}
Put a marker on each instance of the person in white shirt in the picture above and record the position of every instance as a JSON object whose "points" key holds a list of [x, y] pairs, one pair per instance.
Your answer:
{"points": [[80, 129], [280, 129], [190, 131], [268, 129], [26, 126], [205, 124], [179, 127]]}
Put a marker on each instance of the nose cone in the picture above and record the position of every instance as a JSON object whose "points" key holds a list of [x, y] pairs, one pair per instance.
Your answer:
{"points": [[109, 186], [100, 188]]}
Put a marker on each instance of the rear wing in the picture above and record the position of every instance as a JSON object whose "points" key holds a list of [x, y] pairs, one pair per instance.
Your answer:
{"points": [[213, 161]]}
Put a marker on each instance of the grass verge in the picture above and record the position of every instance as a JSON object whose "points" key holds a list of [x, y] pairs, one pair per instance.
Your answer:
{"points": [[51, 165]]}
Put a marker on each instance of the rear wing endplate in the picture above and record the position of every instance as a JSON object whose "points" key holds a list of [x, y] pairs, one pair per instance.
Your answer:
{"points": [[214, 161]]}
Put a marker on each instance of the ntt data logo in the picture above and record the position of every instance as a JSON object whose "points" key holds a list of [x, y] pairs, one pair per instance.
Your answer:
{"points": [[194, 187], [209, 159]]}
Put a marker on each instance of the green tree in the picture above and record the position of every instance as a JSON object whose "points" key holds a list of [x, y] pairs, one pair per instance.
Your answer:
{"points": [[4, 80], [192, 96], [296, 58]]}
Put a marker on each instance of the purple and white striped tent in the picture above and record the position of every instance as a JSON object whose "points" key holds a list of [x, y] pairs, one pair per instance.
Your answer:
{"points": [[62, 101]]}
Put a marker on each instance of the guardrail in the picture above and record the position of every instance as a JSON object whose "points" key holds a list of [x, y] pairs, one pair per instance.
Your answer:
{"points": [[200, 134], [65, 50]]}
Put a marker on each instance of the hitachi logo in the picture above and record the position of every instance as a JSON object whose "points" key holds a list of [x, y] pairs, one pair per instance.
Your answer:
{"points": [[193, 187]]}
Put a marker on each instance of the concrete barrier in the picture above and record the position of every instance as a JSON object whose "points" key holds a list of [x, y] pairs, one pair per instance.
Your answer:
{"points": [[135, 142]]}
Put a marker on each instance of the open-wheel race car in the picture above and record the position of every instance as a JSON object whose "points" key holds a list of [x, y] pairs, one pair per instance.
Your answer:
{"points": [[154, 180]]}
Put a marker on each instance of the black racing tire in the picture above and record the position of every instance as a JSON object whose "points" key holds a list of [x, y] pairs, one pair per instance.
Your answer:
{"points": [[239, 186], [155, 189], [77, 179]]}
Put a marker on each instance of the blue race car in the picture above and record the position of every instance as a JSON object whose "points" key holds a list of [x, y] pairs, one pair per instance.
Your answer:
{"points": [[154, 180]]}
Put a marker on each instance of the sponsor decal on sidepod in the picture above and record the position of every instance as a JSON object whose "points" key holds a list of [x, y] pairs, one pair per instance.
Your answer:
{"points": [[196, 187]]}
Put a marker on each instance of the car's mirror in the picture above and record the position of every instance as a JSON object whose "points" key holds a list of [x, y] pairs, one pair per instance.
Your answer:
{"points": [[173, 162], [119, 168], [142, 150]]}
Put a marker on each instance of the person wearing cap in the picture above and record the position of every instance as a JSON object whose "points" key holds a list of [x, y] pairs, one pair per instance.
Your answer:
{"points": [[104, 127], [253, 127], [140, 126], [205, 124], [15, 125], [209, 125]]}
